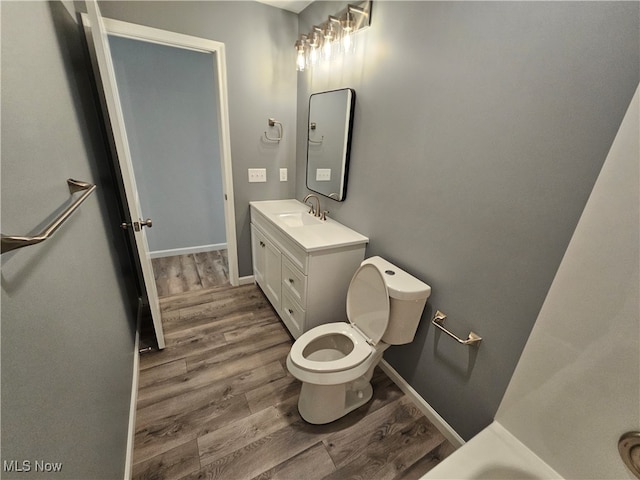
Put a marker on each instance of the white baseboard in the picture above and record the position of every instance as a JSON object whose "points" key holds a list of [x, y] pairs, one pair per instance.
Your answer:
{"points": [[131, 431], [428, 411], [246, 280], [187, 250]]}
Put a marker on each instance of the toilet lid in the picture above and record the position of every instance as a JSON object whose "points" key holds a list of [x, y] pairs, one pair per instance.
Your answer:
{"points": [[368, 303]]}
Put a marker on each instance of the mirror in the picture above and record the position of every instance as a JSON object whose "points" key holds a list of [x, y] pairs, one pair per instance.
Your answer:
{"points": [[329, 142]]}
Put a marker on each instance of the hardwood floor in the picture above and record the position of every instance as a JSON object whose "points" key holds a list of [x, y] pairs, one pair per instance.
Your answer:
{"points": [[185, 273], [219, 403]]}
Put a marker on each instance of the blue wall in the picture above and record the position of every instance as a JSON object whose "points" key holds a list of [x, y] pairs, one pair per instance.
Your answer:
{"points": [[168, 98]]}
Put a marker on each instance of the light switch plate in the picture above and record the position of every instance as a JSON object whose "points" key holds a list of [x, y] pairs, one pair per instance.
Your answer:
{"points": [[323, 174], [283, 174], [257, 175]]}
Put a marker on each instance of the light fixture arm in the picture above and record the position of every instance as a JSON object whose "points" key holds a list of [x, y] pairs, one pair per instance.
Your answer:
{"points": [[351, 19], [358, 10]]}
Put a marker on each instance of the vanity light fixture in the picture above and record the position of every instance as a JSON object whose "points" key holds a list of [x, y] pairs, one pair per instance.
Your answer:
{"points": [[301, 60], [347, 31], [333, 36], [329, 34], [315, 41]]}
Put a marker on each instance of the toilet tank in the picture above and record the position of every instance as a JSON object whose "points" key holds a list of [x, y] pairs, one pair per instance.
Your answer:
{"points": [[407, 298]]}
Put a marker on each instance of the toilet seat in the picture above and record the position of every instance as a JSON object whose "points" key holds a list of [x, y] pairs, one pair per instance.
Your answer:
{"points": [[360, 352], [368, 314]]}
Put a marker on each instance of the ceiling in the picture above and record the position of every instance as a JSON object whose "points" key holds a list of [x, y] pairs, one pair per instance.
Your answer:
{"points": [[295, 6]]}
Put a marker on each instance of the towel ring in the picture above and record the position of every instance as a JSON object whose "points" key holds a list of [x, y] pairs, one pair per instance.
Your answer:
{"points": [[274, 123]]}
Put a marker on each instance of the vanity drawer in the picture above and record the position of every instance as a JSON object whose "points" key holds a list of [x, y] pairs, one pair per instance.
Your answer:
{"points": [[293, 315], [294, 281]]}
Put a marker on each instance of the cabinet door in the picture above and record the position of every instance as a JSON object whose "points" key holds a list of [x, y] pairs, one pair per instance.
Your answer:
{"points": [[272, 273], [258, 252], [267, 270]]}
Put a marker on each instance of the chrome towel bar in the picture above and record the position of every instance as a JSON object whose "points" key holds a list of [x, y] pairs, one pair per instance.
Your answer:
{"points": [[438, 321], [13, 242]]}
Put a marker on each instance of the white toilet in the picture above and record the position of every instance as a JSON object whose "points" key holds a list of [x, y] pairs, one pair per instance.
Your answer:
{"points": [[335, 361]]}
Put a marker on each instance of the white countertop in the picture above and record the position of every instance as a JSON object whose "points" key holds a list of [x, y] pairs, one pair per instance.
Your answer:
{"points": [[324, 234]]}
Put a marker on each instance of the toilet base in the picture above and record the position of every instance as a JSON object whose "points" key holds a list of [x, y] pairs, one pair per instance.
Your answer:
{"points": [[320, 404]]}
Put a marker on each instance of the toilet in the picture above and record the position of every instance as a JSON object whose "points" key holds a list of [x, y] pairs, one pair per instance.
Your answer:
{"points": [[335, 361]]}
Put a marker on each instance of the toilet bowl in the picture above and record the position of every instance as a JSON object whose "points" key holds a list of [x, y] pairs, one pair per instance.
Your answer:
{"points": [[335, 361]]}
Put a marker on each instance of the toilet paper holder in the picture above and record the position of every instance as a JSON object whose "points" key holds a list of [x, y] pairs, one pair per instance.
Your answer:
{"points": [[472, 339]]}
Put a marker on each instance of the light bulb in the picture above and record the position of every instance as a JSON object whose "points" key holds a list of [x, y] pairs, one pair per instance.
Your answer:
{"points": [[347, 31], [313, 56], [347, 42], [300, 60], [329, 36], [326, 50], [314, 43]]}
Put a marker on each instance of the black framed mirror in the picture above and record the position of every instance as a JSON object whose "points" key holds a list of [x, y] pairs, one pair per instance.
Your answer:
{"points": [[329, 130]]}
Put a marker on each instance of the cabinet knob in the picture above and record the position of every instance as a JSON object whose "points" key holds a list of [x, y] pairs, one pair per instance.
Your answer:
{"points": [[262, 244], [290, 311], [291, 281]]}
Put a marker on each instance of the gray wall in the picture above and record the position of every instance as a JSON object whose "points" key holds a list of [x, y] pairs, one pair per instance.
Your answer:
{"points": [[480, 128], [67, 316], [170, 111], [261, 84]]}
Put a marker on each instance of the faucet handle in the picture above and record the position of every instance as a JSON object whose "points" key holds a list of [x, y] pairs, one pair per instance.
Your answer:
{"points": [[323, 215]]}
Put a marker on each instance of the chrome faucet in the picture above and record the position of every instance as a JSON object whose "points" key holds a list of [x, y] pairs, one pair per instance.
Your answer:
{"points": [[314, 211]]}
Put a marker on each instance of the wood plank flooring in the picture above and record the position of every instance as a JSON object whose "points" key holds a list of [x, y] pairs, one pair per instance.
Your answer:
{"points": [[185, 273], [219, 403]]}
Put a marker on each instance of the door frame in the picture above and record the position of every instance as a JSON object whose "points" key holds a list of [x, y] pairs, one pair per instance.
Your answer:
{"points": [[189, 42]]}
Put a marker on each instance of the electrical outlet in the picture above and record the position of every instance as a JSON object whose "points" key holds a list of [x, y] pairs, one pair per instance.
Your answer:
{"points": [[283, 174], [257, 175], [323, 174]]}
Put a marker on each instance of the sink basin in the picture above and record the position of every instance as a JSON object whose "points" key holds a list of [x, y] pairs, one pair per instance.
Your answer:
{"points": [[292, 219], [298, 219]]}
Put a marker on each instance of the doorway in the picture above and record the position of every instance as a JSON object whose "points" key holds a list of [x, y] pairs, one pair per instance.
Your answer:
{"points": [[176, 131], [99, 30]]}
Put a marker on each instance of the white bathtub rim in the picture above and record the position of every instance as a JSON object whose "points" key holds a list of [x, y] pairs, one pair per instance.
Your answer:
{"points": [[493, 453]]}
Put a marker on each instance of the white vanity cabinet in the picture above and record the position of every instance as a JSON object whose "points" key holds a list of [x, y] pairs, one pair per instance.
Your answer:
{"points": [[304, 270]]}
